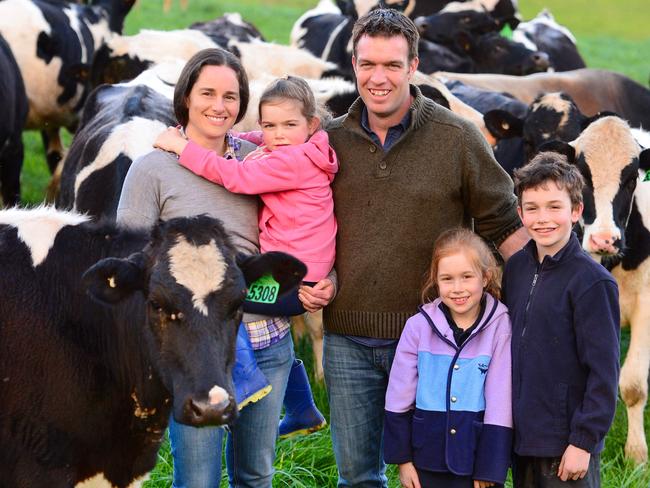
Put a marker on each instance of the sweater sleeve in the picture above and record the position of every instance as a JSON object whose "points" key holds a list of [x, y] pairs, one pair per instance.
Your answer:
{"points": [[254, 136], [488, 190], [597, 328], [139, 205], [400, 397], [275, 171], [495, 441]]}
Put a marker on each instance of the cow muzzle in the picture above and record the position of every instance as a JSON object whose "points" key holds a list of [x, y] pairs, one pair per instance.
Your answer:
{"points": [[604, 244], [212, 411]]}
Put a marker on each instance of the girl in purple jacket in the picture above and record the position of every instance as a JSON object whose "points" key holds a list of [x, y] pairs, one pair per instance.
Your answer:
{"points": [[291, 171], [448, 419]]}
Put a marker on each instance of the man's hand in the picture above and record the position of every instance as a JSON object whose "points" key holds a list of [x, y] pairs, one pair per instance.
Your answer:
{"points": [[574, 464], [408, 476], [513, 243], [315, 297], [171, 140]]}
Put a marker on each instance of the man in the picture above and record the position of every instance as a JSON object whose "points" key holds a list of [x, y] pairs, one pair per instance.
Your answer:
{"points": [[409, 169]]}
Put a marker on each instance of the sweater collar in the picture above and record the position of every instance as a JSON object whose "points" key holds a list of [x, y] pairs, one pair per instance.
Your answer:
{"points": [[570, 248], [420, 111]]}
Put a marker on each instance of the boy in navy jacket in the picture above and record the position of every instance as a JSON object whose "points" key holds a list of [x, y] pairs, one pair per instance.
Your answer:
{"points": [[565, 335]]}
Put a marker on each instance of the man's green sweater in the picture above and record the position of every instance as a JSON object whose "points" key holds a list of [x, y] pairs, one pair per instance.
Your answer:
{"points": [[391, 206]]}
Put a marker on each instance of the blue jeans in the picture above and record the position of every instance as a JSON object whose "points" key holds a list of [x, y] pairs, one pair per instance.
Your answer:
{"points": [[356, 377], [250, 449]]}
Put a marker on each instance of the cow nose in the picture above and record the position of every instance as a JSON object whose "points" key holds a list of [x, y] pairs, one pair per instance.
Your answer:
{"points": [[603, 244], [541, 60], [199, 413]]}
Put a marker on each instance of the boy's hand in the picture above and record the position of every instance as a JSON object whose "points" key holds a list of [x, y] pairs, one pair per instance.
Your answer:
{"points": [[408, 476], [171, 140], [574, 464], [482, 484]]}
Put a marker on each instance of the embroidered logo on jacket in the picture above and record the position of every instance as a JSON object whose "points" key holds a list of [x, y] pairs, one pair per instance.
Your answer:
{"points": [[482, 367]]}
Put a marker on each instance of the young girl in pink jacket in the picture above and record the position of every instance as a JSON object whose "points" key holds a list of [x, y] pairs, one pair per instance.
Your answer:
{"points": [[291, 171]]}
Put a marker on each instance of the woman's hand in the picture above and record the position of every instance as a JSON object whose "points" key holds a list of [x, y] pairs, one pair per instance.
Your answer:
{"points": [[408, 476], [171, 140], [313, 298], [482, 484]]}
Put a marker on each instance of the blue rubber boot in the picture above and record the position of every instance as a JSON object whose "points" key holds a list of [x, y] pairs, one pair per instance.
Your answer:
{"points": [[301, 416], [250, 383]]}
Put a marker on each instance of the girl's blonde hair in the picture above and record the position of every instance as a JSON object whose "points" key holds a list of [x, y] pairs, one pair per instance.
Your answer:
{"points": [[454, 241], [295, 88]]}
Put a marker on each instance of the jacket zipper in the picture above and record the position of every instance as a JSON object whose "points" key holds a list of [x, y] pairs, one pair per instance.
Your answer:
{"points": [[530, 296]]}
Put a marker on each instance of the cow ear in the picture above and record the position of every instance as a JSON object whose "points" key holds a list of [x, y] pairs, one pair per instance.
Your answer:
{"points": [[560, 147], [503, 125], [286, 270], [644, 159], [590, 120], [112, 279]]}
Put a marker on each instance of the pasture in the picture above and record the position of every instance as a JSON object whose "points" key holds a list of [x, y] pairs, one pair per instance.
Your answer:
{"points": [[611, 35]]}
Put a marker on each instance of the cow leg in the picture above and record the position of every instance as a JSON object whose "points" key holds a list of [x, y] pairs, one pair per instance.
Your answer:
{"points": [[11, 163], [634, 381], [314, 323], [53, 147]]}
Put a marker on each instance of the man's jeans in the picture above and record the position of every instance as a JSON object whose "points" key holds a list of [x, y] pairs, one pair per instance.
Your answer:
{"points": [[356, 377], [250, 450]]}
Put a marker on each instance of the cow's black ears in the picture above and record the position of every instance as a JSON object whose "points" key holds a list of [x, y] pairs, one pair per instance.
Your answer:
{"points": [[644, 159], [560, 147], [286, 270], [590, 120], [112, 279], [503, 125]]}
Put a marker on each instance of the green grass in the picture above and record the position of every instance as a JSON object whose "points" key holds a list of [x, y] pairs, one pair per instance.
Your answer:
{"points": [[611, 35]]}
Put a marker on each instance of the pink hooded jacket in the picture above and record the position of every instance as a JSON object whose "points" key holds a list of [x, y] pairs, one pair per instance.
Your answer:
{"points": [[294, 185]]}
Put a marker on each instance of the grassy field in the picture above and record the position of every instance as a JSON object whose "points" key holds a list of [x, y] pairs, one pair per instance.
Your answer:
{"points": [[611, 35]]}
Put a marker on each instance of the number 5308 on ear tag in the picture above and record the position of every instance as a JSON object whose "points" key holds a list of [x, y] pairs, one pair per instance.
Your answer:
{"points": [[263, 290]]}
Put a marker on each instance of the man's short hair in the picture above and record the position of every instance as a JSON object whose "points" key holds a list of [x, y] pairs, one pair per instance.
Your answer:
{"points": [[550, 166], [386, 22]]}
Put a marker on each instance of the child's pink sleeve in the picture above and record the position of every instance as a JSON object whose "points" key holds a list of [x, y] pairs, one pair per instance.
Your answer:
{"points": [[254, 136], [274, 171]]}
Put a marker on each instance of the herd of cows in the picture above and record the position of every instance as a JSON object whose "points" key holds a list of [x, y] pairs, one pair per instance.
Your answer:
{"points": [[86, 389]]}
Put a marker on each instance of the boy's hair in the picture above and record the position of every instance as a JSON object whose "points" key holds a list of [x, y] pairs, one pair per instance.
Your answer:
{"points": [[295, 88], [550, 166], [191, 72], [386, 22], [454, 241]]}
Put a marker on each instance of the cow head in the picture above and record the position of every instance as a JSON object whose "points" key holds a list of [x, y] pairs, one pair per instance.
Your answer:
{"points": [[609, 158], [193, 285], [493, 53], [444, 26], [551, 116]]}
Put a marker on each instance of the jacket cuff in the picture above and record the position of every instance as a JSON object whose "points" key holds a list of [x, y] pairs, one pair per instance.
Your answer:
{"points": [[583, 441], [493, 454], [397, 437], [511, 230]]}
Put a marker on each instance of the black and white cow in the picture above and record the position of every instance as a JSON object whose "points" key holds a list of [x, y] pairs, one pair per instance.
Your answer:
{"points": [[54, 43], [616, 223], [87, 389], [543, 33], [444, 27], [229, 27], [13, 101], [119, 124]]}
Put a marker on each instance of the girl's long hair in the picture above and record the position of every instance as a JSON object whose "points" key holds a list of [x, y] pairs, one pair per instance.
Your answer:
{"points": [[457, 240]]}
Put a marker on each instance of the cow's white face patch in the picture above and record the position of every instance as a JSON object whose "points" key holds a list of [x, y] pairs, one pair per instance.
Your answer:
{"points": [[38, 227], [555, 102], [200, 269], [100, 481], [134, 138]]}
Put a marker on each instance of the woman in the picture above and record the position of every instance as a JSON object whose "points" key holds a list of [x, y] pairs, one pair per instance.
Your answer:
{"points": [[210, 97]]}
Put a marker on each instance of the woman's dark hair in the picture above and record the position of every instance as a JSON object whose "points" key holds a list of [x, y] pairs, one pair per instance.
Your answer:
{"points": [[191, 71]]}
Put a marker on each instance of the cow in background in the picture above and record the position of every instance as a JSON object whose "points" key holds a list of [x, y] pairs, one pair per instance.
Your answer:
{"points": [[13, 101], [53, 44], [88, 389], [543, 33], [616, 221]]}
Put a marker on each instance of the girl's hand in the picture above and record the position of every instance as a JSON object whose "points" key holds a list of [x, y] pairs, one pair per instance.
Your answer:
{"points": [[482, 484], [574, 464], [171, 140], [408, 476]]}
